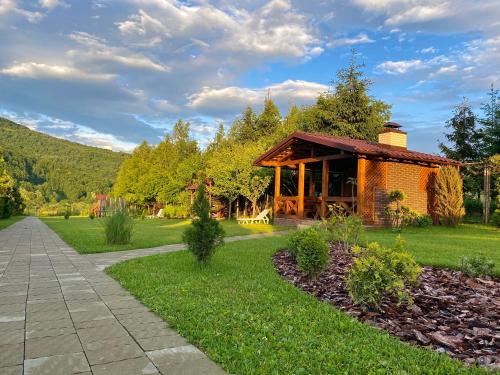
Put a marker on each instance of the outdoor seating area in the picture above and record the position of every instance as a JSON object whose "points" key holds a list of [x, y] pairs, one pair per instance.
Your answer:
{"points": [[315, 173], [263, 217]]}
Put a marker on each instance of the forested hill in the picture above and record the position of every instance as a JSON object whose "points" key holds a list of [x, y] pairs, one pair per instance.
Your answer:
{"points": [[59, 169]]}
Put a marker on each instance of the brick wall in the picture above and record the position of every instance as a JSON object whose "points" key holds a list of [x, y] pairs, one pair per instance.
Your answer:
{"points": [[381, 177]]}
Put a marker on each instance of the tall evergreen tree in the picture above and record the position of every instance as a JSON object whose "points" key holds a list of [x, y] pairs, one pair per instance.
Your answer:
{"points": [[244, 128], [269, 121], [464, 138], [491, 123], [348, 110]]}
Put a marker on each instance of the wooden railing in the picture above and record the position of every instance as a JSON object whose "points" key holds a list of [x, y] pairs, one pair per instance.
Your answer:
{"points": [[288, 206]]}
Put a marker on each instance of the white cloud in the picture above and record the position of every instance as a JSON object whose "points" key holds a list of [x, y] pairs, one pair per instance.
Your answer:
{"points": [[233, 99], [88, 136], [50, 4], [98, 50], [11, 6], [36, 70], [428, 50], [359, 39], [400, 67], [420, 13], [165, 106], [446, 69], [274, 30]]}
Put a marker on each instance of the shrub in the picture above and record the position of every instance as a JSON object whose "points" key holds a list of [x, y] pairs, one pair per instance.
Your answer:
{"points": [[495, 218], [422, 221], [380, 272], [310, 249], [477, 266], [205, 234], [169, 212], [400, 215], [473, 207], [343, 228], [449, 199], [118, 228]]}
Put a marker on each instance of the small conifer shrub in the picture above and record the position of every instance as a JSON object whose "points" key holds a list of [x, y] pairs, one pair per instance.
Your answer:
{"points": [[449, 198], [205, 233]]}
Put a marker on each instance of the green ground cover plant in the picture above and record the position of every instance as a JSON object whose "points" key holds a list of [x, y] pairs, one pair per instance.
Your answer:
{"points": [[380, 272], [87, 236], [477, 266], [245, 317], [444, 246]]}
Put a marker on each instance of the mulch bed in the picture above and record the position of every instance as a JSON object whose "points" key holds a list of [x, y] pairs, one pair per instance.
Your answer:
{"points": [[452, 313]]}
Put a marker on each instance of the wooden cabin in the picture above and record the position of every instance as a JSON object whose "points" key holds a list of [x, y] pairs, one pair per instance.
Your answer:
{"points": [[313, 172]]}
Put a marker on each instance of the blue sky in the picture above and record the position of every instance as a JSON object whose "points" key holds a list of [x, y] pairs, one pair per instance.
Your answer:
{"points": [[111, 73]]}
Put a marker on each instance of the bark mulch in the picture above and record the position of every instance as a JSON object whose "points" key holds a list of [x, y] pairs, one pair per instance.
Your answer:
{"points": [[452, 314]]}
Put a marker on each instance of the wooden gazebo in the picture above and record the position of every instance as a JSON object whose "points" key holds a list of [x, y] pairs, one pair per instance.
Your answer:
{"points": [[351, 173]]}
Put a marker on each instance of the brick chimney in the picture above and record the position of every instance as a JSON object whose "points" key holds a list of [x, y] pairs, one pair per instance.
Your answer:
{"points": [[392, 136]]}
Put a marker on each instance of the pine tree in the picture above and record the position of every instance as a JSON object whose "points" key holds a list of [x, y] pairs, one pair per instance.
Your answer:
{"points": [[348, 110], [205, 234], [269, 120], [244, 129], [464, 138], [491, 123]]}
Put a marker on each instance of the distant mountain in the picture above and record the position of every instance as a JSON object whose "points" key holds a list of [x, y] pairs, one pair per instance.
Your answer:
{"points": [[60, 169]]}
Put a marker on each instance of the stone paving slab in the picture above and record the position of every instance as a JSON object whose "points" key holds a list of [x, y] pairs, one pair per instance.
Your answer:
{"points": [[60, 314]]}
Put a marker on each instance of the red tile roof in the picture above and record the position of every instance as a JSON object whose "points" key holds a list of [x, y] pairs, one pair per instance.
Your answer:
{"points": [[358, 147]]}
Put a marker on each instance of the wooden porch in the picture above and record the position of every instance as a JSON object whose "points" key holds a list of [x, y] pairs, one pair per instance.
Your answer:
{"points": [[323, 181]]}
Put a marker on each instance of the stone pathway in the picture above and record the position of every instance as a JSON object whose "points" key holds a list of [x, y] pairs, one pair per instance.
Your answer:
{"points": [[60, 314]]}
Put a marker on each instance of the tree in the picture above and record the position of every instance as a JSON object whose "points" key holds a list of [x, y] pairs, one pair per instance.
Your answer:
{"points": [[244, 128], [464, 138], [253, 187], [449, 199], [348, 110], [205, 234], [223, 168], [269, 121], [10, 199], [491, 123], [133, 182]]}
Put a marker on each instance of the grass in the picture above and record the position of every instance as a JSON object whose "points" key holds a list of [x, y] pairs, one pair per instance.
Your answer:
{"points": [[249, 320], [4, 223], [87, 236], [443, 246]]}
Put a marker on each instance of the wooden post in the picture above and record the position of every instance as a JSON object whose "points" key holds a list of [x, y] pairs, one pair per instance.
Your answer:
{"points": [[324, 187], [300, 204], [486, 188], [277, 182], [361, 184], [312, 187]]}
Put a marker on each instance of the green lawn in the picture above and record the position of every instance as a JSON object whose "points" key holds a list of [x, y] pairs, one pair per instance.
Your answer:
{"points": [[87, 236], [249, 320], [4, 223], [442, 246]]}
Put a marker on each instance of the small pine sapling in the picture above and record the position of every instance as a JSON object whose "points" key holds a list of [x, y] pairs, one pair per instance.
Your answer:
{"points": [[205, 234]]}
